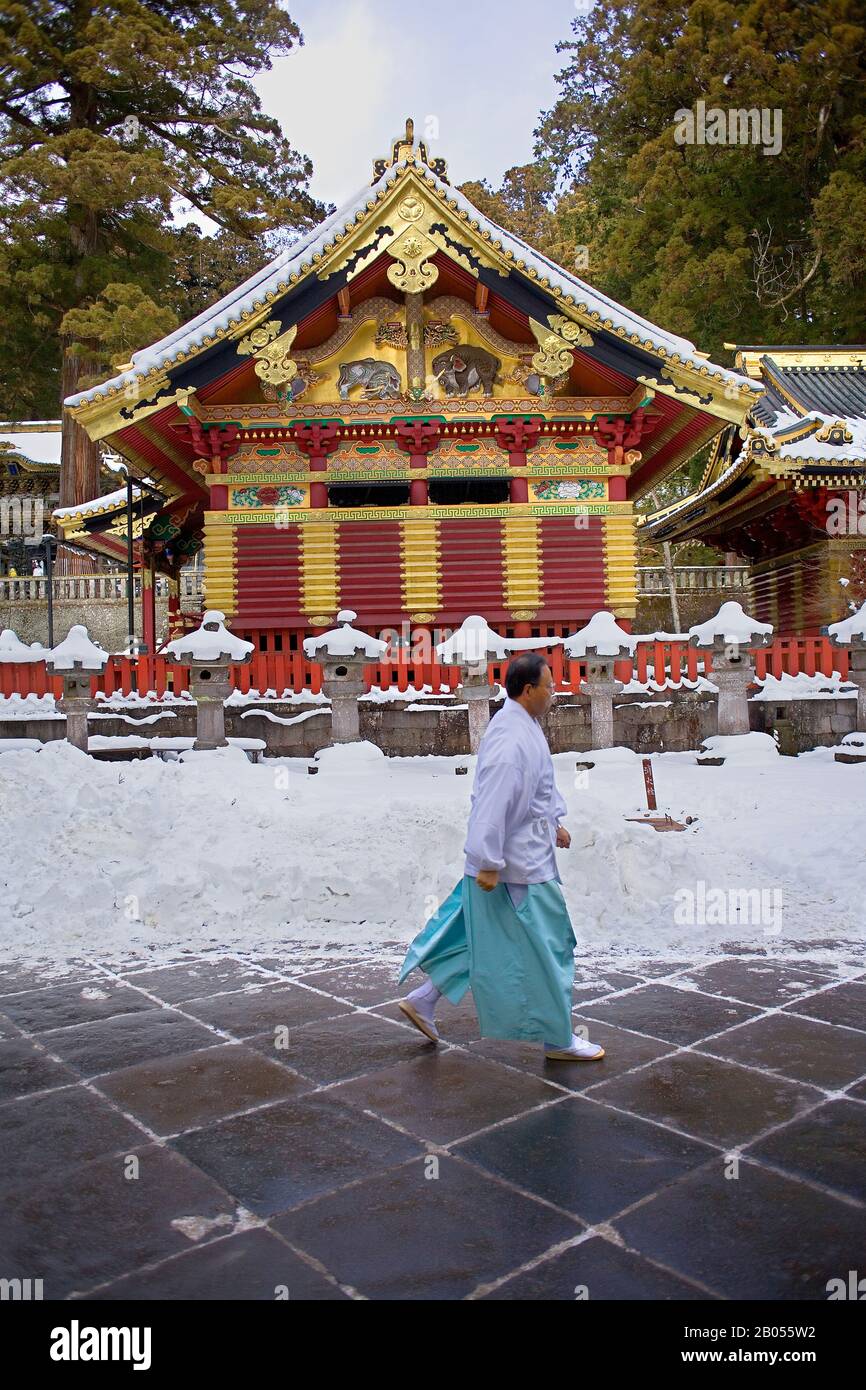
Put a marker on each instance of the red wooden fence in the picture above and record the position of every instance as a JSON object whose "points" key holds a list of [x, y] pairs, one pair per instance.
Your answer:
{"points": [[279, 671]]}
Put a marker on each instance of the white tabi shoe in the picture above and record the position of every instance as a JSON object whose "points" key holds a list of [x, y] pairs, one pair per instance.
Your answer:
{"points": [[580, 1051], [412, 1010]]}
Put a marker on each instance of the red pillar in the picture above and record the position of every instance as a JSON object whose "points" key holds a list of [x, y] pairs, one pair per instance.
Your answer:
{"points": [[317, 442], [148, 602], [517, 437], [418, 439]]}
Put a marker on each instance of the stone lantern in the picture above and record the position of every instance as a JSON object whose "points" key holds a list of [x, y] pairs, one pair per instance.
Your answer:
{"points": [[602, 643], [209, 652], [730, 636], [472, 647], [343, 652], [850, 635], [77, 660]]}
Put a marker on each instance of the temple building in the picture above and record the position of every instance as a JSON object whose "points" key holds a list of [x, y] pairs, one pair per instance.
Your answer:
{"points": [[409, 413], [785, 492], [29, 489]]}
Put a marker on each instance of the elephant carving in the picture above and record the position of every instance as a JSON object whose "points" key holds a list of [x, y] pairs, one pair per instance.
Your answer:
{"points": [[462, 368], [379, 379]]}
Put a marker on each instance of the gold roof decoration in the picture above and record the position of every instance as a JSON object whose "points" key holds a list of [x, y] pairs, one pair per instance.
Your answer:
{"points": [[835, 432], [411, 211], [405, 149]]}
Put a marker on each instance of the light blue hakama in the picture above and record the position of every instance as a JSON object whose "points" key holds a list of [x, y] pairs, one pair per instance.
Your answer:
{"points": [[517, 960]]}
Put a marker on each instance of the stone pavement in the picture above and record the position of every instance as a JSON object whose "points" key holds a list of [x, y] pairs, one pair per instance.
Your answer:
{"points": [[156, 1143]]}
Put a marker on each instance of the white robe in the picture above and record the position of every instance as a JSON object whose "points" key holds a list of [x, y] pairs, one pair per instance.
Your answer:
{"points": [[515, 801]]}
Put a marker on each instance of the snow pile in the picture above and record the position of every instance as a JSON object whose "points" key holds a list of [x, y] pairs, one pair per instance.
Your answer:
{"points": [[744, 750], [288, 697], [602, 635], [803, 687], [345, 640], [272, 718], [378, 696], [732, 625], [142, 699], [210, 642], [12, 649], [701, 686], [29, 707], [77, 652], [607, 757], [361, 756], [142, 860], [850, 630]]}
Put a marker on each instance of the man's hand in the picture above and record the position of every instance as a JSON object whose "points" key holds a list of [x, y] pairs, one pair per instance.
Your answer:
{"points": [[487, 879], [563, 839]]}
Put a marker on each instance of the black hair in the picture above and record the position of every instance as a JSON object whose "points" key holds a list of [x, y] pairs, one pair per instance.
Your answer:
{"points": [[522, 671]]}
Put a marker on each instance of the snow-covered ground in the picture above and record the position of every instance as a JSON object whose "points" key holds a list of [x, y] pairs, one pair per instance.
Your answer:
{"points": [[121, 861]]}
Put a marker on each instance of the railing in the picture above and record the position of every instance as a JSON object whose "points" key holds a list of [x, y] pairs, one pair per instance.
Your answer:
{"points": [[655, 660], [80, 588], [699, 579]]}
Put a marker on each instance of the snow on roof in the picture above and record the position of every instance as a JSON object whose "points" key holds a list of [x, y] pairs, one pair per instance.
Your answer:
{"points": [[273, 281], [603, 634], [475, 640], [41, 446], [12, 649], [76, 651], [345, 640], [811, 448], [210, 642], [731, 624], [849, 629], [96, 505]]}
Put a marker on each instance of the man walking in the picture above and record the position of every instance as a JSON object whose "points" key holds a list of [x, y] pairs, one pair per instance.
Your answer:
{"points": [[504, 931]]}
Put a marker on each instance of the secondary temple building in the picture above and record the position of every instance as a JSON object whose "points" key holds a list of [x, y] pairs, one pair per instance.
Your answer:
{"points": [[410, 413], [785, 493]]}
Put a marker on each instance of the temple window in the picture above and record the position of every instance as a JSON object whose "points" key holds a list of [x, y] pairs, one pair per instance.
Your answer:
{"points": [[451, 492], [368, 494]]}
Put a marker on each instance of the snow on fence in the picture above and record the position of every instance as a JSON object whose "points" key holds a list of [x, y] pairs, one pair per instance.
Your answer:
{"points": [[655, 660]]}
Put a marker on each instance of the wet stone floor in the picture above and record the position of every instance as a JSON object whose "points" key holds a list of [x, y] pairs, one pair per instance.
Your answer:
{"points": [[231, 1126]]}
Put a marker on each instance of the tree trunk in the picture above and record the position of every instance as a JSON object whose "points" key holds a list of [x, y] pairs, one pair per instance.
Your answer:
{"points": [[79, 455], [79, 459], [672, 585], [667, 555]]}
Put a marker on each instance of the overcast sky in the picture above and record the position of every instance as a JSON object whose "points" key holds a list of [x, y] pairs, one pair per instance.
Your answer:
{"points": [[481, 69]]}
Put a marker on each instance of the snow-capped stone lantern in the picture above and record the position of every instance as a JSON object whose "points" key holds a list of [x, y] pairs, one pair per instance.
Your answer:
{"points": [[209, 652], [77, 660], [850, 634], [342, 653], [602, 643], [731, 636], [472, 647]]}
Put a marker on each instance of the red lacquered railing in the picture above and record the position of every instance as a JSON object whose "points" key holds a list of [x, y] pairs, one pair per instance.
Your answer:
{"points": [[654, 661]]}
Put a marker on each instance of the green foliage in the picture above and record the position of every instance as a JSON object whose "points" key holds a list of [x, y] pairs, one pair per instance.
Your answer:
{"points": [[113, 118], [714, 241]]}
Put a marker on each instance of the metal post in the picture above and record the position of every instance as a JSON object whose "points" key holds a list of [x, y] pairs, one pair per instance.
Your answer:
{"points": [[130, 583], [48, 543]]}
